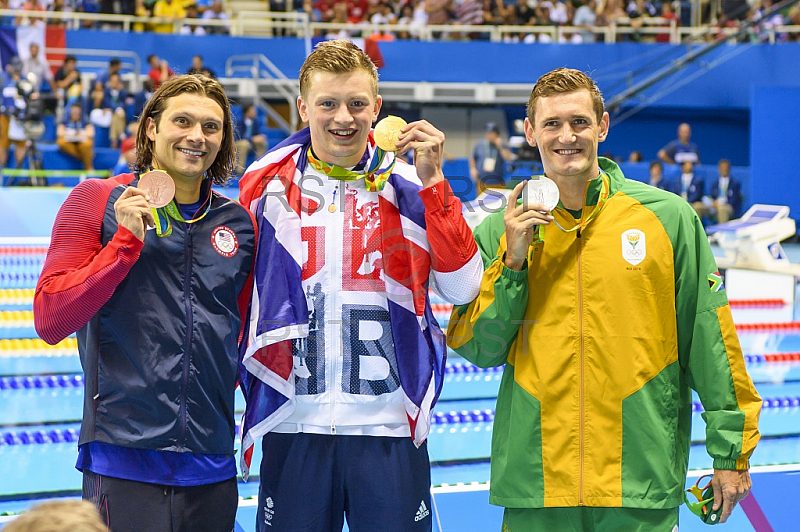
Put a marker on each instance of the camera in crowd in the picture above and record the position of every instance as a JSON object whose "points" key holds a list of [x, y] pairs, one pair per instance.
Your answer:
{"points": [[29, 107]]}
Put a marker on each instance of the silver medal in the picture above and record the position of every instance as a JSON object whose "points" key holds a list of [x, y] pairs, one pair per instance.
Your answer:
{"points": [[541, 190]]}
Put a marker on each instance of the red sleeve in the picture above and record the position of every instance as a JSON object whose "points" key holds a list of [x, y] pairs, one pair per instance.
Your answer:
{"points": [[80, 274], [247, 290], [450, 238]]}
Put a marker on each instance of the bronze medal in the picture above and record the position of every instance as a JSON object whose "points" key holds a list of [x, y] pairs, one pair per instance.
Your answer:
{"points": [[159, 186]]}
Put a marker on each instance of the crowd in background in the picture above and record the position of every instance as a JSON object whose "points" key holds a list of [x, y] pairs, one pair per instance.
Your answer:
{"points": [[168, 15]]}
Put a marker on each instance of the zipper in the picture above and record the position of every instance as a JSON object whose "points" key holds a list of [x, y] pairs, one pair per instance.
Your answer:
{"points": [[187, 302], [581, 442], [336, 276]]}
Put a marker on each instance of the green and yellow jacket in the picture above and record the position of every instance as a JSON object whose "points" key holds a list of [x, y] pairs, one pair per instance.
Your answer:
{"points": [[604, 333]]}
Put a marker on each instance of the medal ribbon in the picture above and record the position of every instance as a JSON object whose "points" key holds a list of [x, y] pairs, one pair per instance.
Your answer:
{"points": [[374, 177], [584, 221], [601, 201], [162, 216]]}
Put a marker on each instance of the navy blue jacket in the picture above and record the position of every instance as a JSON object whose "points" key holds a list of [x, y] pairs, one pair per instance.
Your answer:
{"points": [[160, 357]]}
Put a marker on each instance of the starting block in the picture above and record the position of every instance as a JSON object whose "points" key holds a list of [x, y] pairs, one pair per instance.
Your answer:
{"points": [[754, 240]]}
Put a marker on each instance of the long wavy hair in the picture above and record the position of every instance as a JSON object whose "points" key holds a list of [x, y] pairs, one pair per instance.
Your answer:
{"points": [[224, 165]]}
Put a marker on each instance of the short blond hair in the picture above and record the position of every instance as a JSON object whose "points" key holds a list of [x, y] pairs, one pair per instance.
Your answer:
{"points": [[562, 80], [337, 57], [69, 515]]}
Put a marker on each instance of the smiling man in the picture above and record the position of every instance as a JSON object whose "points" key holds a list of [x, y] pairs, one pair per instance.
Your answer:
{"points": [[158, 315], [605, 319], [345, 359]]}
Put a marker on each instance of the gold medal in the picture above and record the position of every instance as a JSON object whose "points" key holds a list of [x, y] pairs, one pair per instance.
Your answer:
{"points": [[159, 186], [331, 208], [386, 132]]}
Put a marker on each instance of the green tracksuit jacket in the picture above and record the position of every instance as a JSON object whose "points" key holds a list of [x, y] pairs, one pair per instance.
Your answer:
{"points": [[604, 333]]}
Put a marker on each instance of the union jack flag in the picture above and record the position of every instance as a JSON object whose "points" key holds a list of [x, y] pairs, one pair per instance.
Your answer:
{"points": [[279, 311]]}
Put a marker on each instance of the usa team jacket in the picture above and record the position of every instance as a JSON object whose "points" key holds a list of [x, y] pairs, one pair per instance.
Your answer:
{"points": [[604, 334], [158, 322]]}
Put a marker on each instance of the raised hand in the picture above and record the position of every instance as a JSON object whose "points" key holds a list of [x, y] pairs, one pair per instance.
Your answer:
{"points": [[521, 221], [133, 212]]}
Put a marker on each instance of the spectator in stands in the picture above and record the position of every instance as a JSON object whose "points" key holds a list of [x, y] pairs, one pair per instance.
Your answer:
{"points": [[726, 195], [691, 187], [37, 64], [339, 17], [127, 156], [280, 6], [249, 136], [67, 515], [585, 17], [89, 7], [141, 98], [143, 11], [794, 20], [681, 149], [439, 12], [116, 7], [100, 114], [668, 14], [114, 67], [198, 67], [10, 79], [192, 14], [635, 157], [68, 83], [170, 11], [313, 12], [75, 137], [59, 6], [29, 19], [116, 98], [488, 160], [558, 12], [406, 19], [159, 70], [610, 12], [215, 12], [657, 178]]}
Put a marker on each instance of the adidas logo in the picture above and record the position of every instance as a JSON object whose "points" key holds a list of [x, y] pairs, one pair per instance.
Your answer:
{"points": [[422, 512]]}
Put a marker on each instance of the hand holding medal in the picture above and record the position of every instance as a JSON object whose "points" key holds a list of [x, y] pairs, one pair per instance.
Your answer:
{"points": [[393, 134], [522, 219], [158, 186], [387, 131]]}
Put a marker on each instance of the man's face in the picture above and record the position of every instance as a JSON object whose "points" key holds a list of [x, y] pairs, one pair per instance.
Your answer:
{"points": [[188, 137], [340, 110], [684, 133], [655, 172], [567, 133], [197, 63], [724, 169], [75, 113], [34, 50], [69, 66]]}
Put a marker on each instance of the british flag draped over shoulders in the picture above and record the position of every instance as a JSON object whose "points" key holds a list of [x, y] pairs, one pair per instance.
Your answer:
{"points": [[271, 189]]}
